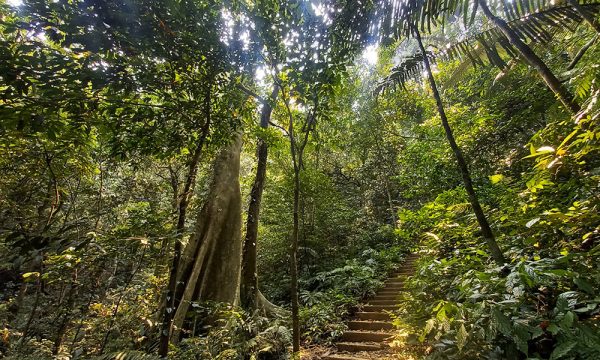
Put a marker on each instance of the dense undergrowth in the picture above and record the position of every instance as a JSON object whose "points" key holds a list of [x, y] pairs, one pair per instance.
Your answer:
{"points": [[544, 303]]}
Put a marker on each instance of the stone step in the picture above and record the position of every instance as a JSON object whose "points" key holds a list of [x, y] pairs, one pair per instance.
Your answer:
{"points": [[356, 347], [342, 357], [392, 292], [383, 302], [391, 296], [370, 325], [373, 315], [393, 287], [365, 336], [379, 308], [390, 289], [394, 281]]}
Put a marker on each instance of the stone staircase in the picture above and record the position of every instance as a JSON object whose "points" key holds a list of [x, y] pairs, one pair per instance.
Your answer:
{"points": [[370, 330]]}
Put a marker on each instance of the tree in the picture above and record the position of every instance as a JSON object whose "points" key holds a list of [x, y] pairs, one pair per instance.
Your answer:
{"points": [[398, 21], [249, 282], [411, 67]]}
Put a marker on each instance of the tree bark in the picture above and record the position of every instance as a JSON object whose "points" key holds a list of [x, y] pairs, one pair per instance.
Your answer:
{"points": [[533, 60], [249, 281], [210, 265], [486, 230], [171, 300]]}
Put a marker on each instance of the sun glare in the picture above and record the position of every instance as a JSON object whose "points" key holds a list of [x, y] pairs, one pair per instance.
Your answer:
{"points": [[370, 54]]}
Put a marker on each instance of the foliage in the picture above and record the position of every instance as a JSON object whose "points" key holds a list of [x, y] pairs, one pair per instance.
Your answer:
{"points": [[234, 334]]}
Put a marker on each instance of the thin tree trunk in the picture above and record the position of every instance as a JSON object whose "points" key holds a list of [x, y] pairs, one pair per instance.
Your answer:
{"points": [[294, 263], [96, 276], [486, 230], [171, 298], [589, 18], [294, 246], [99, 204], [582, 52], [32, 313], [66, 316], [296, 153], [249, 281], [119, 300], [533, 60]]}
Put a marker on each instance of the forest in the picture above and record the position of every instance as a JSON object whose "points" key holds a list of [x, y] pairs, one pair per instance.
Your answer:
{"points": [[299, 179]]}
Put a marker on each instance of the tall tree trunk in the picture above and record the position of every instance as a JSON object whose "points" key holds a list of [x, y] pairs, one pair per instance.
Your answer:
{"points": [[249, 281], [294, 266], [589, 18], [533, 60], [171, 299], [211, 263], [294, 246], [486, 231]]}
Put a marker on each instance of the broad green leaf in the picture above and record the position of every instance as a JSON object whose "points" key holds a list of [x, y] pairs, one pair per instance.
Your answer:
{"points": [[501, 322], [461, 337], [496, 178], [563, 349]]}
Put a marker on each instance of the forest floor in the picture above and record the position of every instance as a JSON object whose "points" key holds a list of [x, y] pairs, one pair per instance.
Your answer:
{"points": [[372, 334]]}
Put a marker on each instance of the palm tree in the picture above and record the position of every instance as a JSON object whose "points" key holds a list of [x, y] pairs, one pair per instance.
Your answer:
{"points": [[535, 28], [532, 59], [412, 67], [398, 18]]}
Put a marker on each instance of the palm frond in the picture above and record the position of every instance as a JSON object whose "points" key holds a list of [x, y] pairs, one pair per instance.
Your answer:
{"points": [[537, 28], [492, 46], [393, 19], [410, 68]]}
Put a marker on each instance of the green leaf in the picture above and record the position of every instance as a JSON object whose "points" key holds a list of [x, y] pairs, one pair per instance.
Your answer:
{"points": [[553, 329], [501, 322], [521, 337], [567, 320], [562, 349], [31, 276], [461, 337], [584, 285], [532, 222], [496, 178]]}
